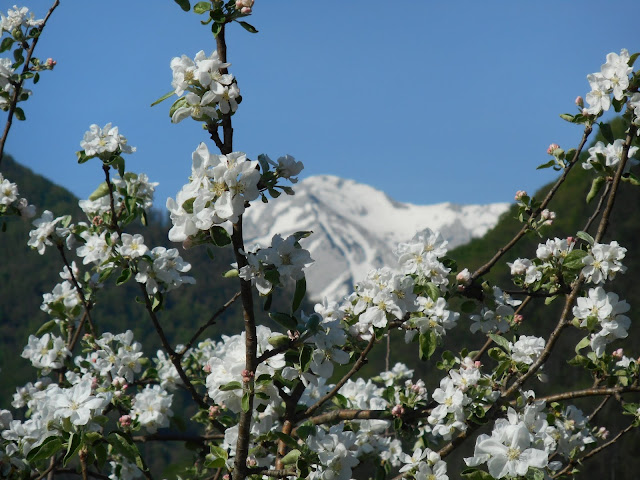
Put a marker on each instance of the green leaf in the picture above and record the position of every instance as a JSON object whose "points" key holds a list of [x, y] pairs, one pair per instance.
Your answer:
{"points": [[473, 474], [586, 237], [19, 113], [287, 321], [585, 342], [248, 27], [607, 133], [216, 28], [305, 430], [123, 444], [302, 234], [202, 7], [550, 163], [428, 344], [596, 186], [6, 44], [632, 179], [291, 457], [245, 402], [573, 260], [124, 276], [46, 328], [566, 116], [306, 355], [75, 441], [47, 449], [230, 386], [468, 307], [184, 4], [433, 291], [298, 296], [163, 98], [503, 342], [219, 236], [286, 439], [101, 191]]}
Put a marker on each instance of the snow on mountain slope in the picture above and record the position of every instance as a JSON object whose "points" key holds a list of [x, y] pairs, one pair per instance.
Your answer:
{"points": [[356, 228]]}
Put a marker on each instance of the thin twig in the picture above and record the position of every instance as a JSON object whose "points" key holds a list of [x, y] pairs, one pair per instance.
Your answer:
{"points": [[362, 359], [18, 87], [489, 341], [598, 207], [593, 452], [209, 323], [525, 228]]}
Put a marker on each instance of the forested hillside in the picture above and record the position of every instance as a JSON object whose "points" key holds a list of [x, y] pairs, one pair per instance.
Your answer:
{"points": [[25, 276]]}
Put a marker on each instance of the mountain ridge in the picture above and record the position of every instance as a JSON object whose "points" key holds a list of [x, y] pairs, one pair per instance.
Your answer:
{"points": [[357, 227]]}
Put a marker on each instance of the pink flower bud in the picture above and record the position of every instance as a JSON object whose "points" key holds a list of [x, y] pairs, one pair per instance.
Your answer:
{"points": [[397, 411], [548, 214], [517, 319], [552, 148], [94, 383], [579, 101], [214, 411], [619, 353], [125, 420], [520, 194], [464, 276], [570, 240], [251, 462], [207, 368], [415, 388], [50, 63], [97, 220], [477, 363], [603, 433], [247, 376]]}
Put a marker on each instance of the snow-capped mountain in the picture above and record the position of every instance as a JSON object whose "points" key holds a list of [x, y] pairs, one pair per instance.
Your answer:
{"points": [[356, 228]]}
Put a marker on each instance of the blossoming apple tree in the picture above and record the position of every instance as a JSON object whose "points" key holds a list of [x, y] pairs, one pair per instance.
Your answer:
{"points": [[268, 403]]}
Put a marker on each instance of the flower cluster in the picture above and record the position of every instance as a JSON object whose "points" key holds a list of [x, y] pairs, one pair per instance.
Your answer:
{"points": [[104, 142], [285, 258], [10, 201], [547, 269], [605, 158], [18, 18], [602, 311], [217, 191], [226, 365], [496, 316], [210, 93], [603, 262], [612, 78]]}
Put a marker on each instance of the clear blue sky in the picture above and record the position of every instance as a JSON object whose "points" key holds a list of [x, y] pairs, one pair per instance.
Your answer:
{"points": [[428, 101]]}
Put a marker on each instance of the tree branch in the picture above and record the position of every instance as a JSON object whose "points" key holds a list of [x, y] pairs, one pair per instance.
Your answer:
{"points": [[18, 88]]}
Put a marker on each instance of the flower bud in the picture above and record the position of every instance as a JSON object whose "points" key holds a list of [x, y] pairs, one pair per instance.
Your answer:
{"points": [[552, 148], [464, 276], [517, 319], [125, 420], [579, 101], [50, 63], [397, 411], [520, 194], [207, 368], [619, 353]]}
